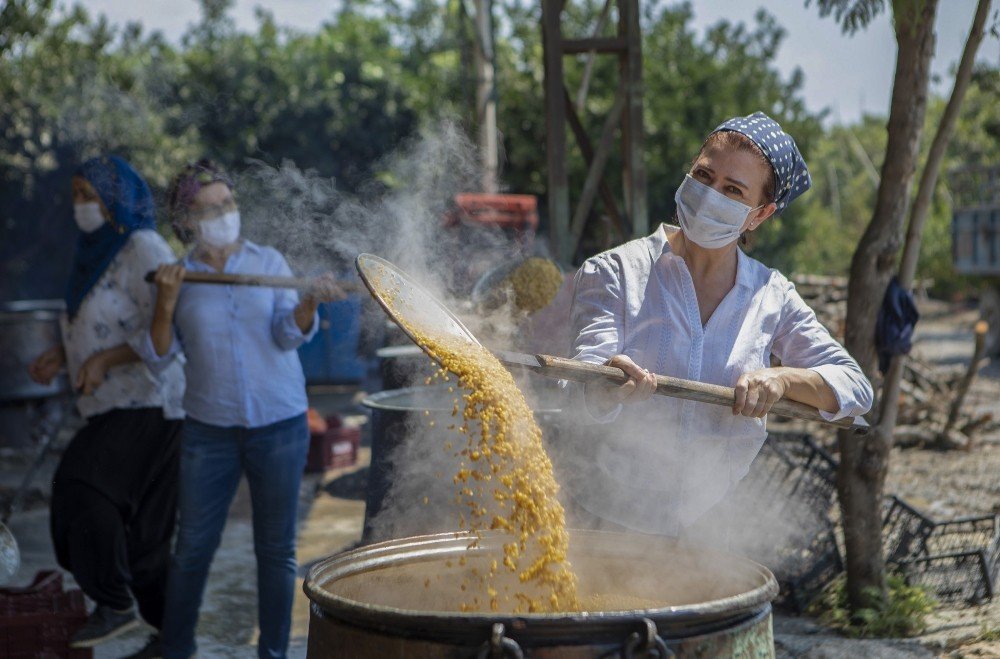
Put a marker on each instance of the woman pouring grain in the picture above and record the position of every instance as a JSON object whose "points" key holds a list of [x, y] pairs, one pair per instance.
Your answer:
{"points": [[245, 403], [688, 302]]}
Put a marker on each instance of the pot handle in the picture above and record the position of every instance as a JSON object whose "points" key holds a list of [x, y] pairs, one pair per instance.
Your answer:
{"points": [[500, 646], [646, 644]]}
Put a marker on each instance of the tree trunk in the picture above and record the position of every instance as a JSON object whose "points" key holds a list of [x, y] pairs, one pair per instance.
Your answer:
{"points": [[863, 462], [925, 194]]}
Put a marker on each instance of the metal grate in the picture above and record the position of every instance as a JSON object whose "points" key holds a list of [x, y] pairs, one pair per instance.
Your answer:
{"points": [[958, 560], [791, 485]]}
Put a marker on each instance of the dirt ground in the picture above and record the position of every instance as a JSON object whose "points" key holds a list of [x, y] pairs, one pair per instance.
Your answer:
{"points": [[943, 485]]}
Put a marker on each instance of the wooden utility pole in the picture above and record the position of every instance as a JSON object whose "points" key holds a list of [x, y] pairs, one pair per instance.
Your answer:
{"points": [[486, 95], [631, 216]]}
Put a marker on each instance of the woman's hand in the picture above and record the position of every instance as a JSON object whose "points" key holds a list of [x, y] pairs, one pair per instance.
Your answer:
{"points": [[323, 289], [639, 387], [47, 365], [169, 278], [92, 373], [758, 391]]}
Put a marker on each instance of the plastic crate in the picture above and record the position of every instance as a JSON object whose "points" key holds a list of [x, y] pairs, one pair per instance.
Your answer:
{"points": [[958, 560], [791, 488], [335, 448], [517, 212], [38, 620], [905, 530]]}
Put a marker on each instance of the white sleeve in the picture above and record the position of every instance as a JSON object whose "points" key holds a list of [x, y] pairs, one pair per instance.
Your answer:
{"points": [[801, 341], [284, 330], [148, 251], [597, 318]]}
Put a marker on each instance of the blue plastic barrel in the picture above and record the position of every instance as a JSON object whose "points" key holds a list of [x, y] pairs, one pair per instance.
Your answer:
{"points": [[331, 357]]}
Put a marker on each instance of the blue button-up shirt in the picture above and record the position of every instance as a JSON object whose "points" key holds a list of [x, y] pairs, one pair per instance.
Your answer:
{"points": [[239, 344]]}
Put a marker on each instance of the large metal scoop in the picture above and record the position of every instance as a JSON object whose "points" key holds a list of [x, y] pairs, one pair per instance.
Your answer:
{"points": [[413, 307]]}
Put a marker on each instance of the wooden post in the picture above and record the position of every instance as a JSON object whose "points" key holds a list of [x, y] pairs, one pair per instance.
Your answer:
{"points": [[970, 374], [555, 131], [596, 171], [634, 171], [587, 149], [566, 233], [486, 98]]}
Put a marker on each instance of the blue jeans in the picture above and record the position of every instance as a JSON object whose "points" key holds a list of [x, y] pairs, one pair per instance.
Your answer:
{"points": [[212, 460]]}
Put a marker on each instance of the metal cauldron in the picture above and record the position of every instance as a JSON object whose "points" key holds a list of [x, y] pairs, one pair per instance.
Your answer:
{"points": [[400, 424], [403, 365], [27, 329], [401, 599]]}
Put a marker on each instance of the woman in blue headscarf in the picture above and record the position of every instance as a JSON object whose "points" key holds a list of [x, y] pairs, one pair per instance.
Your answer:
{"points": [[687, 302], [114, 493]]}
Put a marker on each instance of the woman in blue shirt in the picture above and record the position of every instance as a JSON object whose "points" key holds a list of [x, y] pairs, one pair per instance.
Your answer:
{"points": [[245, 403]]}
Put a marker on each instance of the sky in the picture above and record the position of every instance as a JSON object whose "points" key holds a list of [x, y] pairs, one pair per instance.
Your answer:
{"points": [[850, 75]]}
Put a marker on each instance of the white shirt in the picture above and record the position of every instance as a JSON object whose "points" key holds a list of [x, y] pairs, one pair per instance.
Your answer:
{"points": [[666, 461], [117, 310]]}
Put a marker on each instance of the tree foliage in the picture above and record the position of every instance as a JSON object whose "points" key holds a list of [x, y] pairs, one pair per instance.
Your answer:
{"points": [[339, 99]]}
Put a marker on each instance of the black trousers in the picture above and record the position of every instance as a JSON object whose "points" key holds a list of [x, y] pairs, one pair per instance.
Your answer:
{"points": [[114, 505]]}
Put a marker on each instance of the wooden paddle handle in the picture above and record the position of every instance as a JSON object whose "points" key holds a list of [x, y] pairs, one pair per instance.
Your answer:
{"points": [[230, 279], [266, 281], [571, 369]]}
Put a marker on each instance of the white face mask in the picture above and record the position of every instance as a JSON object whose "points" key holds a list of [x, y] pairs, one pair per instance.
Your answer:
{"points": [[220, 231], [88, 216], [708, 217]]}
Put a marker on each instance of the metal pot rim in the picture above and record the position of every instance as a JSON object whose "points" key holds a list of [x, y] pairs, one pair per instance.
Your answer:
{"points": [[537, 626], [21, 310]]}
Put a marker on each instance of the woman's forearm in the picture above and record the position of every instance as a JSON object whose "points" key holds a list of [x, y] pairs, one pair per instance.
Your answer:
{"points": [[161, 330], [809, 387], [121, 354], [304, 313]]}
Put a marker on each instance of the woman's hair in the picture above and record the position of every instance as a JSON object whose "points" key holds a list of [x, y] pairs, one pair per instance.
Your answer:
{"points": [[730, 139], [185, 187]]}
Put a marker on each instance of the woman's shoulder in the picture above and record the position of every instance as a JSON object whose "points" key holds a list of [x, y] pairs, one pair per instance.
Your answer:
{"points": [[149, 245], [264, 252], [760, 275], [633, 252]]}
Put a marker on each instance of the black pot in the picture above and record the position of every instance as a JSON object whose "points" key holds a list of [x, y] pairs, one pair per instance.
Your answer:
{"points": [[395, 414]]}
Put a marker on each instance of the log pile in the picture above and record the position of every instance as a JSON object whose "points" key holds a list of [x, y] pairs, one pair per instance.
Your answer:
{"points": [[827, 296], [931, 411]]}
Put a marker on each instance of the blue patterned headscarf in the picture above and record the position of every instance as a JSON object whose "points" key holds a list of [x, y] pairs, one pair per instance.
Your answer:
{"points": [[791, 177], [128, 199]]}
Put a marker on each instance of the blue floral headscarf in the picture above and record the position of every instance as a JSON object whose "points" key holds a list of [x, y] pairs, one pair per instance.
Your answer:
{"points": [[791, 177], [130, 202]]}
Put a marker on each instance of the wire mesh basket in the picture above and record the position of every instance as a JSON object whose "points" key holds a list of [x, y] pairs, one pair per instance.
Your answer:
{"points": [[958, 560], [791, 491]]}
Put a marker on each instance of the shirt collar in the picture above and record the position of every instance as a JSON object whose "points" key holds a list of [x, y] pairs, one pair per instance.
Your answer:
{"points": [[659, 245], [246, 247]]}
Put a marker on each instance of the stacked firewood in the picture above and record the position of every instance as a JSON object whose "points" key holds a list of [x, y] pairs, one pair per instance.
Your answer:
{"points": [[931, 406], [931, 403], [827, 296]]}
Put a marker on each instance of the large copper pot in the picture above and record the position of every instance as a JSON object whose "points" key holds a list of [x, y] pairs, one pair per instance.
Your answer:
{"points": [[402, 598]]}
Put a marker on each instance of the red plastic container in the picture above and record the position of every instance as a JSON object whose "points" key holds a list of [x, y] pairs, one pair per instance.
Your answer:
{"points": [[517, 213], [37, 621], [334, 449]]}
